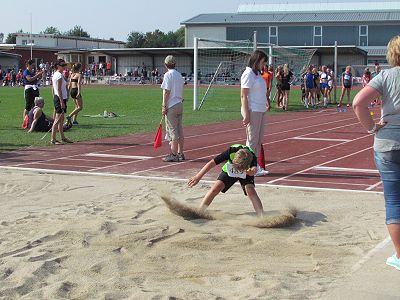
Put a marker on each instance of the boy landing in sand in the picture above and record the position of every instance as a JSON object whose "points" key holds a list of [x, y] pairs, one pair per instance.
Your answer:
{"points": [[241, 164]]}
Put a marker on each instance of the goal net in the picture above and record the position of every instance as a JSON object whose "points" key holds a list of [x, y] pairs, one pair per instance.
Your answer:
{"points": [[220, 64]]}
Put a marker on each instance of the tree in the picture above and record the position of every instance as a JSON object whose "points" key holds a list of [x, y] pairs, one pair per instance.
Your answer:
{"points": [[180, 37], [51, 30], [77, 31], [135, 40], [12, 38]]}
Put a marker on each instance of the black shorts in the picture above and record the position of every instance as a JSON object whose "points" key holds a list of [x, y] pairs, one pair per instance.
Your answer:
{"points": [[57, 105], [229, 181], [74, 93], [347, 86], [30, 95]]}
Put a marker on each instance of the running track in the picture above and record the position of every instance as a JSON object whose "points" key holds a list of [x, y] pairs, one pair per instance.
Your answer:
{"points": [[321, 149]]}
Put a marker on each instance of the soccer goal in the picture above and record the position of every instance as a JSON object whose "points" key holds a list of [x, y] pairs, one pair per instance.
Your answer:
{"points": [[220, 65]]}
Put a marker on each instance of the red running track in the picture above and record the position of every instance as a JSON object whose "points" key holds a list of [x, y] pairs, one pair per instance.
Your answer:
{"points": [[319, 149]]}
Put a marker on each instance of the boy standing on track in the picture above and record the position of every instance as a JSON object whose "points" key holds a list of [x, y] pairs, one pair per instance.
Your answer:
{"points": [[172, 109], [240, 164]]}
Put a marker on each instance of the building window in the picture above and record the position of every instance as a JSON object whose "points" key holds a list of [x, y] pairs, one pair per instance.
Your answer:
{"points": [[90, 59], [317, 35], [273, 35], [24, 42], [363, 30]]}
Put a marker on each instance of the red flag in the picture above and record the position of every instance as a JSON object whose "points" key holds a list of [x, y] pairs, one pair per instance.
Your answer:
{"points": [[26, 121], [158, 138], [261, 158]]}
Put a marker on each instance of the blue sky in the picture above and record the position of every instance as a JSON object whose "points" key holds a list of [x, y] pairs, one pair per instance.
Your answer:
{"points": [[107, 18]]}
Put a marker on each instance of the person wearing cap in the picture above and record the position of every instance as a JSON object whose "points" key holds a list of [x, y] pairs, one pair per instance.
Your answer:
{"points": [[60, 96], [30, 79], [172, 109]]}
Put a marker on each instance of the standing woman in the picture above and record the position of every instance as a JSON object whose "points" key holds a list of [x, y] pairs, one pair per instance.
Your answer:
{"points": [[286, 81], [60, 96], [74, 86], [30, 79], [347, 83], [387, 138], [253, 97], [278, 94]]}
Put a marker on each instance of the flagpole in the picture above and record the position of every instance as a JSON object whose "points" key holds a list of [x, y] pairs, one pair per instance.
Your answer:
{"points": [[30, 36]]}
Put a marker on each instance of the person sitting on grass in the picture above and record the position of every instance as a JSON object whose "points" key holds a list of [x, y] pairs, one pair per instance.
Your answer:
{"points": [[240, 164], [37, 120]]}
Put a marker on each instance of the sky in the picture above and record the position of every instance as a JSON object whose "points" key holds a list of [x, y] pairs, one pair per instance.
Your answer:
{"points": [[107, 18]]}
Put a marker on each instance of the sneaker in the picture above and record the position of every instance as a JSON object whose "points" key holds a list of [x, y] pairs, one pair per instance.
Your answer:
{"points": [[75, 123], [261, 172], [394, 261], [68, 141], [181, 156], [55, 142], [171, 158]]}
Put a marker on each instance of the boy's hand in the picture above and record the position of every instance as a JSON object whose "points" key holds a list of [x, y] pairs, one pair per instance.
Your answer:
{"points": [[252, 171], [193, 181]]}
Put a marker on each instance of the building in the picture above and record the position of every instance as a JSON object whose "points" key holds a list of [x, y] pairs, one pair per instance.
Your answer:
{"points": [[44, 48], [9, 61], [363, 24]]}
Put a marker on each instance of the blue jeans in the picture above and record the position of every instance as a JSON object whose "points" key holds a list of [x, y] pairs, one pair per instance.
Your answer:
{"points": [[388, 164]]}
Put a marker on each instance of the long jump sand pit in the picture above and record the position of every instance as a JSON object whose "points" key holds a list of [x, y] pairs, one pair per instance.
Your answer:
{"points": [[87, 237]]}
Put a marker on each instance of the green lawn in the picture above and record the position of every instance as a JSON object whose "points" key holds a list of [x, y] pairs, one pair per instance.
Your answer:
{"points": [[139, 105]]}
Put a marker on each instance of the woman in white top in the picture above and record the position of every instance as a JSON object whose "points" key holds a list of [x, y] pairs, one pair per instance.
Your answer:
{"points": [[387, 138], [60, 96], [253, 95]]}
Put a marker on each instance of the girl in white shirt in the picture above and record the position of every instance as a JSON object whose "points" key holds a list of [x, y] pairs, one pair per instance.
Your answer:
{"points": [[253, 95]]}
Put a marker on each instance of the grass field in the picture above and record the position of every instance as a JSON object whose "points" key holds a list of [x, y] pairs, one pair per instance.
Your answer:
{"points": [[140, 107]]}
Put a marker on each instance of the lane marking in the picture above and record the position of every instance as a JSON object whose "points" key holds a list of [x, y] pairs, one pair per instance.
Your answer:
{"points": [[352, 170], [319, 139], [325, 182], [333, 160], [118, 156], [173, 179], [370, 188], [369, 255]]}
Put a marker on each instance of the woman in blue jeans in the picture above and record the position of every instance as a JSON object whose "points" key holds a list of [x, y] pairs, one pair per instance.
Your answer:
{"points": [[387, 138]]}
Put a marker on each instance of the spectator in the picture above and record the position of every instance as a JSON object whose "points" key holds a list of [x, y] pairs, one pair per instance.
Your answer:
{"points": [[30, 79], [366, 77], [387, 138], [37, 120], [253, 96], [60, 94], [172, 109], [347, 83], [287, 78], [75, 87]]}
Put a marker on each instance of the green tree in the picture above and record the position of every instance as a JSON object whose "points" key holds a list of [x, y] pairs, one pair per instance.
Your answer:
{"points": [[77, 31], [12, 38], [135, 40], [180, 37], [51, 30]]}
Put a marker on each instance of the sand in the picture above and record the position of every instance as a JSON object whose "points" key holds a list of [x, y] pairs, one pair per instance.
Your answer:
{"points": [[88, 237]]}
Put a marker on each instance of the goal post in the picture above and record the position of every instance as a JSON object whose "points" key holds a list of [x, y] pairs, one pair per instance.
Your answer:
{"points": [[219, 63]]}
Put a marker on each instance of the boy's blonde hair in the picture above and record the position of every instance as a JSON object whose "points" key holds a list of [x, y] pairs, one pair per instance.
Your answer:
{"points": [[393, 51], [242, 159]]}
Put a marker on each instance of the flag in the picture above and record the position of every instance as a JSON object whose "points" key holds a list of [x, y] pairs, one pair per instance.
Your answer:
{"points": [[261, 158], [158, 137]]}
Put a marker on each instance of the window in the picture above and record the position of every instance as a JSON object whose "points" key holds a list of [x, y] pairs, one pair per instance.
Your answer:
{"points": [[363, 37], [273, 35], [317, 35], [24, 42], [90, 59]]}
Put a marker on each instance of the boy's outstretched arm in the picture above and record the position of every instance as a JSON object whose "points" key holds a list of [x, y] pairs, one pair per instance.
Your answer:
{"points": [[196, 178]]}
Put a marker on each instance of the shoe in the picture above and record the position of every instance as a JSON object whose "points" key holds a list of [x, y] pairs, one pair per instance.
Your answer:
{"points": [[55, 142], [171, 158], [181, 156], [394, 261], [65, 140], [75, 123], [69, 121], [283, 107], [261, 172], [339, 105]]}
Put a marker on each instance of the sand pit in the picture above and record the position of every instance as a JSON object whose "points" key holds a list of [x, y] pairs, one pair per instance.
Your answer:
{"points": [[284, 219], [86, 237]]}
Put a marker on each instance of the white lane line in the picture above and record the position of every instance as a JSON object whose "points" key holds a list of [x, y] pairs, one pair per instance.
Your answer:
{"points": [[333, 160], [173, 179], [319, 139], [325, 182], [208, 146], [273, 142], [368, 256], [118, 156], [352, 170], [371, 187]]}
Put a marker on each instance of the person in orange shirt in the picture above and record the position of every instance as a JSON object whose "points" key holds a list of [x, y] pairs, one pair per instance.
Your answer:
{"points": [[267, 74]]}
